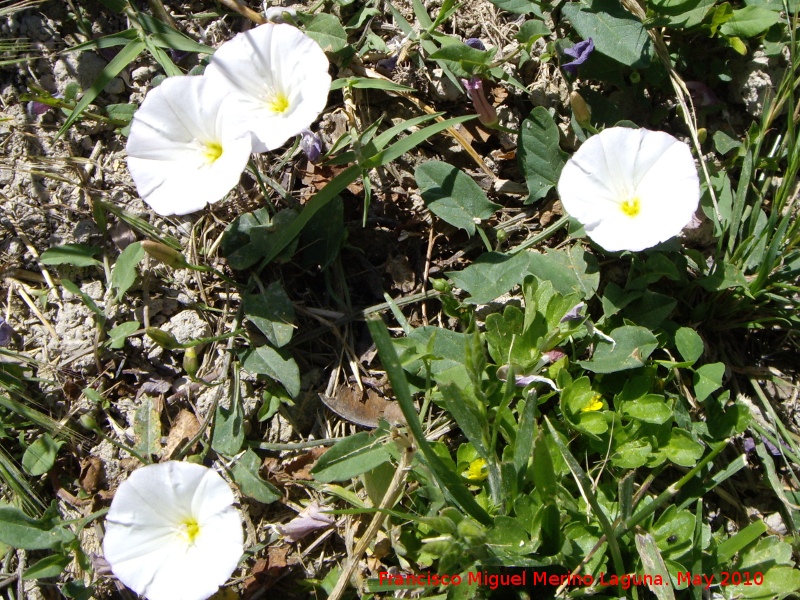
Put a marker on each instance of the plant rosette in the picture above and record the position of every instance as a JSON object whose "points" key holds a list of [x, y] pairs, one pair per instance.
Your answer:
{"points": [[172, 532], [630, 188], [278, 81], [182, 151]]}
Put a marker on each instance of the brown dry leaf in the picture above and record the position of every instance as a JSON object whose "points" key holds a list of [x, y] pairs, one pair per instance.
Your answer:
{"points": [[183, 429], [318, 176], [365, 409], [300, 467], [266, 571], [401, 273], [92, 474]]}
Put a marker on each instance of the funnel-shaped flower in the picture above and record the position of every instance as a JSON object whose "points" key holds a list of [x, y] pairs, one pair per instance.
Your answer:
{"points": [[172, 532], [182, 152], [630, 188], [278, 78]]}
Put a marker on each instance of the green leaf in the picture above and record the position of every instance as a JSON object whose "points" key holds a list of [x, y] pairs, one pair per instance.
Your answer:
{"points": [[540, 157], [517, 6], [491, 275], [72, 288], [40, 456], [324, 235], [272, 312], [50, 566], [570, 271], [326, 30], [123, 58], [366, 83], [689, 344], [124, 274], [653, 565], [615, 32], [147, 427], [651, 408], [633, 346], [708, 379], [531, 31], [468, 416], [682, 449], [351, 457], [276, 364], [166, 37], [77, 255], [749, 21], [18, 530], [121, 332], [121, 112], [245, 474], [452, 195], [228, 435], [463, 60]]}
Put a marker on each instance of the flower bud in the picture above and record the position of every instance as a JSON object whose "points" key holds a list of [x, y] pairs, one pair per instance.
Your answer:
{"points": [[88, 422], [440, 285], [311, 144], [165, 254], [191, 363], [581, 110], [162, 338], [486, 112]]}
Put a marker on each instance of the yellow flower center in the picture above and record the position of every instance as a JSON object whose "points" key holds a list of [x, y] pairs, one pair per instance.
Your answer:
{"points": [[477, 470], [278, 103], [191, 528], [212, 151], [631, 206]]}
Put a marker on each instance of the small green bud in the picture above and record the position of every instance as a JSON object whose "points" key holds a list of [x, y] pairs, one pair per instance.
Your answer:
{"points": [[88, 422], [502, 236], [702, 134], [635, 77], [162, 338], [165, 254], [190, 362], [441, 285], [581, 110]]}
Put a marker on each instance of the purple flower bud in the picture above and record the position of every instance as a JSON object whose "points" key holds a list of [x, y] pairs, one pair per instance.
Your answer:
{"points": [[387, 64], [311, 144], [702, 95], [38, 108], [554, 355], [475, 43], [574, 313], [486, 112], [580, 52], [6, 332]]}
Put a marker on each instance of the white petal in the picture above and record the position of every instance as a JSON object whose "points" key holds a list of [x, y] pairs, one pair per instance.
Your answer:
{"points": [[620, 165], [168, 146], [146, 543], [272, 62]]}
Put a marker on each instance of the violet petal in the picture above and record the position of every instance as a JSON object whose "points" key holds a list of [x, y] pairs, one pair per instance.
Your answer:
{"points": [[580, 52]]}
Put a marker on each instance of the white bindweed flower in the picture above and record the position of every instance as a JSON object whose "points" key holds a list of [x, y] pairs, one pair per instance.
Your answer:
{"points": [[630, 188], [182, 151], [278, 78], [172, 532]]}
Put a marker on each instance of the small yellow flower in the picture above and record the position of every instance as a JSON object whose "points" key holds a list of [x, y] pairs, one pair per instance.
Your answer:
{"points": [[595, 403], [477, 470]]}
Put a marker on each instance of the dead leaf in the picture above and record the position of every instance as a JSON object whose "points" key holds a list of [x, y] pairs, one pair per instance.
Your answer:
{"points": [[300, 467], [365, 409], [92, 475], [183, 429], [310, 519]]}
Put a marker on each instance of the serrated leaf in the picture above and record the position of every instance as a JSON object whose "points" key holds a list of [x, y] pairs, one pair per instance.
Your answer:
{"points": [[147, 427], [452, 195], [633, 346], [77, 255], [40, 456], [540, 157], [615, 32], [245, 474], [491, 275], [272, 312], [276, 364], [124, 274]]}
